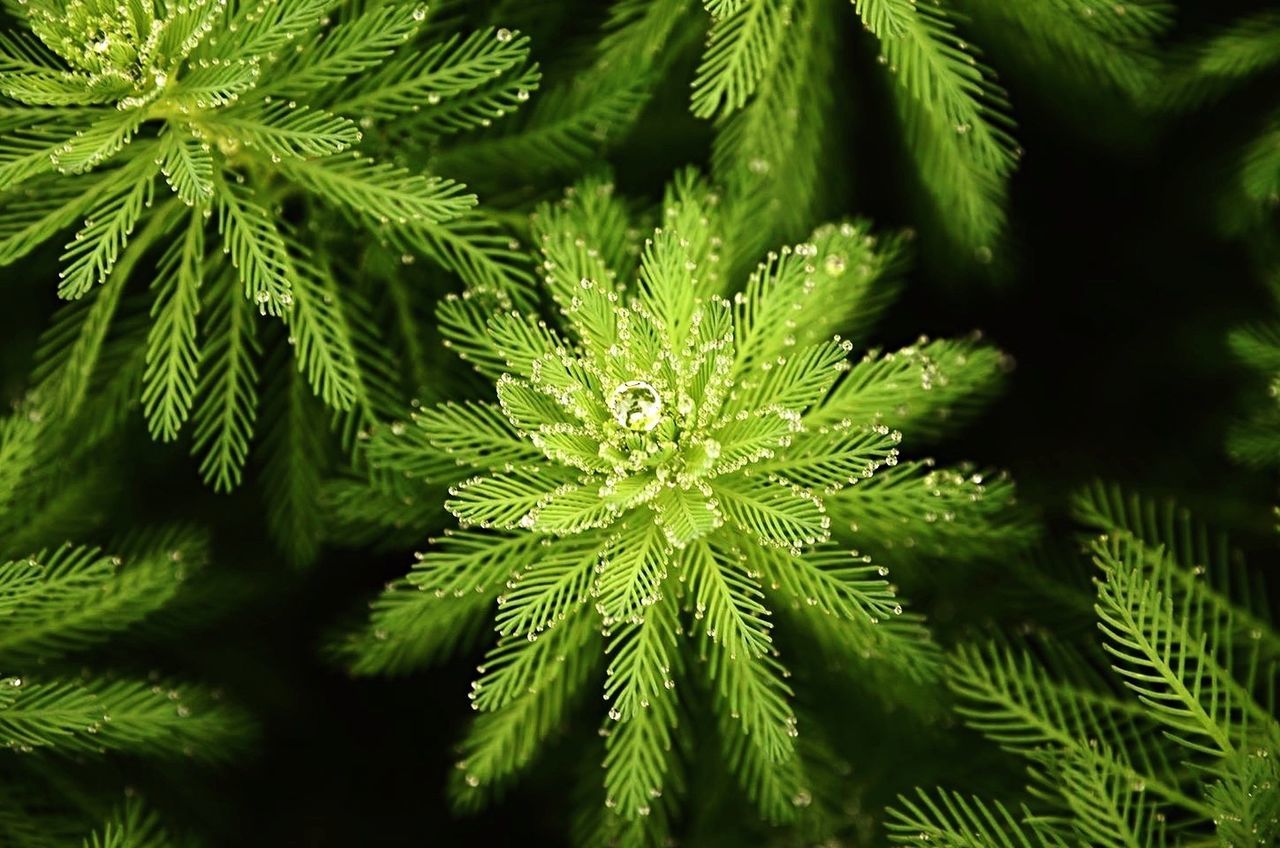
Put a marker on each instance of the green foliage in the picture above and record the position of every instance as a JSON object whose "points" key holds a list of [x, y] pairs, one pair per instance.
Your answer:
{"points": [[668, 461], [130, 826], [1184, 746], [766, 59], [1211, 69], [62, 604], [101, 109], [670, 480]]}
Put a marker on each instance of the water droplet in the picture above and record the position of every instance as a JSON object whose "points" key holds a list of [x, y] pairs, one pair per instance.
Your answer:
{"points": [[636, 405]]}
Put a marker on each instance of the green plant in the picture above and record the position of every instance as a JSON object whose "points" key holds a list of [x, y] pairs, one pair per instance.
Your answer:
{"points": [[253, 114], [1207, 71], [61, 604], [667, 462], [1188, 756], [773, 82]]}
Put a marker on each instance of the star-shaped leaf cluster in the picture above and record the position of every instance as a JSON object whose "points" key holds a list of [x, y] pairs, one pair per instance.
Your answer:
{"points": [[267, 121], [664, 465]]}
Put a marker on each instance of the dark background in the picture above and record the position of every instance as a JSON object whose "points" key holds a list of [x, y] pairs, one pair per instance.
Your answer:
{"points": [[1116, 309]]}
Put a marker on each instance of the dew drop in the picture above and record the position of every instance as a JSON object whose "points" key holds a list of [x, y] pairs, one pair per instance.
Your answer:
{"points": [[636, 405]]}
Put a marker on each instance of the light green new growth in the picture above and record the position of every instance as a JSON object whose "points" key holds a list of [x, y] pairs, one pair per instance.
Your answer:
{"points": [[667, 463], [1196, 751]]}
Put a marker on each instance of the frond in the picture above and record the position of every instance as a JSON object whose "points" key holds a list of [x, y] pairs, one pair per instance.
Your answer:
{"points": [[185, 27], [383, 514], [255, 245], [837, 282], [1256, 442], [440, 78], [726, 597], [752, 690], [470, 434], [777, 787], [772, 512], [571, 123], [579, 246], [439, 605], [1094, 42], [91, 255], [1257, 346], [1204, 567], [1012, 699], [925, 390], [346, 51], [777, 173], [642, 717], [861, 614], [25, 151], [507, 500], [634, 566], [500, 744], [552, 141], [954, 116], [914, 509], [546, 591], [1249, 46], [319, 333], [210, 86], [518, 665], [173, 354], [525, 342], [377, 194], [90, 714], [1245, 805], [256, 30], [742, 46], [474, 247], [1177, 656], [187, 167], [130, 825], [795, 381], [828, 459], [43, 87], [294, 462], [97, 143], [71, 350], [1260, 171], [35, 212], [20, 444], [1106, 809], [951, 819], [75, 597], [227, 391]]}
